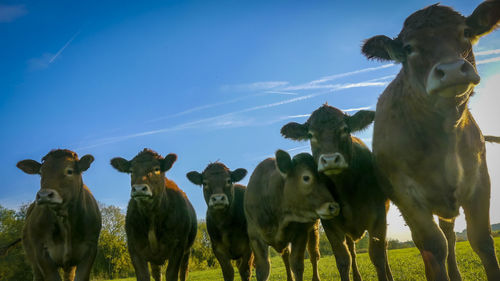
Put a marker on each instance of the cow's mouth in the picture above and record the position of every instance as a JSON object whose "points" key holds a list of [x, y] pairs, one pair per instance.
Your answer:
{"points": [[453, 91], [142, 197], [333, 172], [218, 207]]}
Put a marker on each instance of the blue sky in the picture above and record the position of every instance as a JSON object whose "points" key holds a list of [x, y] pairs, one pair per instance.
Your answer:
{"points": [[207, 80]]}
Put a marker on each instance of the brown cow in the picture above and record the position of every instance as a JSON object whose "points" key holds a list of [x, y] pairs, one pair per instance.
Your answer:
{"points": [[226, 222], [63, 224], [283, 201], [426, 143], [160, 222], [348, 163]]}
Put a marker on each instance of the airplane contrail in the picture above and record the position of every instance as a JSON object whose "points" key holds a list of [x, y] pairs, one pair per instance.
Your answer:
{"points": [[63, 47]]}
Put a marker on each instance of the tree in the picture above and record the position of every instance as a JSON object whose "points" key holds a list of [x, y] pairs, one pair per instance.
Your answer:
{"points": [[13, 266], [202, 256], [112, 259]]}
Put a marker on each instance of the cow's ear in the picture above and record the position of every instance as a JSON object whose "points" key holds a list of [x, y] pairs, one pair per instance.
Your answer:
{"points": [[484, 19], [238, 174], [383, 48], [195, 177], [361, 120], [29, 166], [295, 131], [84, 162], [283, 161], [121, 164], [167, 163]]}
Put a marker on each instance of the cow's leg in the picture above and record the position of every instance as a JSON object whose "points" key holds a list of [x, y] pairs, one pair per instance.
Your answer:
{"points": [[378, 250], [69, 273], [336, 237], [156, 271], [84, 267], [313, 250], [140, 265], [46, 266], [285, 255], [262, 264], [428, 238], [449, 233], [299, 244], [477, 215], [184, 270], [174, 264], [245, 266], [356, 276], [225, 262]]}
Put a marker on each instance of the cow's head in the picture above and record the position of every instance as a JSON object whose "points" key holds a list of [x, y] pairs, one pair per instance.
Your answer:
{"points": [[217, 181], [147, 172], [435, 48], [329, 131], [61, 175], [306, 192]]}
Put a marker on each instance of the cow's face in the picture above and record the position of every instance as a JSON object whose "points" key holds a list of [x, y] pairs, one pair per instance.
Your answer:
{"points": [[61, 175], [305, 190], [435, 48], [147, 173], [329, 132], [217, 181]]}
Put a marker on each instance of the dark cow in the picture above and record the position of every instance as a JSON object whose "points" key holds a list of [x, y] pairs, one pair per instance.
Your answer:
{"points": [[63, 224], [426, 143], [283, 201], [348, 163], [160, 222], [226, 223]]}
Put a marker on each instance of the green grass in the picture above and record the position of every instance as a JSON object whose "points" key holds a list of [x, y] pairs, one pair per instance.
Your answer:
{"points": [[406, 264]]}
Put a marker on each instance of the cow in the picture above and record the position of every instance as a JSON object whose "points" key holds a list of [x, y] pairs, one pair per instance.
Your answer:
{"points": [[347, 161], [226, 222], [160, 222], [63, 223], [428, 148], [284, 199]]}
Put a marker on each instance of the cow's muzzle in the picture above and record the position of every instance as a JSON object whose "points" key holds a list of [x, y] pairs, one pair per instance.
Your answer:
{"points": [[218, 201], [141, 191], [48, 196], [452, 79], [332, 164], [328, 210]]}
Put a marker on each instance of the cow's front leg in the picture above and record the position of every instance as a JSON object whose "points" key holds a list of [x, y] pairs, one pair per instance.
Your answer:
{"points": [[84, 267], [336, 237]]}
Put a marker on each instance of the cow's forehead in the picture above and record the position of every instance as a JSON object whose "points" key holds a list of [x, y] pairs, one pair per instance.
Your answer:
{"points": [[326, 116], [432, 17], [146, 157], [215, 169], [54, 162]]}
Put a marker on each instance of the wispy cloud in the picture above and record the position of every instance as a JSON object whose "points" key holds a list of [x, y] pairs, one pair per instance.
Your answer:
{"points": [[490, 60], [318, 84], [46, 59], [487, 52], [256, 86], [9, 13]]}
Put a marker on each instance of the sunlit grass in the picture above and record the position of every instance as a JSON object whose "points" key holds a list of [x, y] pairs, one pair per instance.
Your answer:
{"points": [[406, 264]]}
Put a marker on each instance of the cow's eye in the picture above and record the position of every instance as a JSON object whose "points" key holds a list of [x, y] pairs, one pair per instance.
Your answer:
{"points": [[306, 178], [228, 181], [69, 171], [309, 135], [408, 49], [157, 170]]}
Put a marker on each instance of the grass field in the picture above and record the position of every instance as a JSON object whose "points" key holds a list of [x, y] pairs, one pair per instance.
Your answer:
{"points": [[406, 264]]}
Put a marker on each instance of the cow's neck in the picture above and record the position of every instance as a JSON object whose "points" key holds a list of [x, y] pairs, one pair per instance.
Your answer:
{"points": [[430, 115]]}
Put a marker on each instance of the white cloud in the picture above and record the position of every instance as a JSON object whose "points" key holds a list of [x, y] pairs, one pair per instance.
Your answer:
{"points": [[9, 13], [46, 59], [256, 86], [490, 60]]}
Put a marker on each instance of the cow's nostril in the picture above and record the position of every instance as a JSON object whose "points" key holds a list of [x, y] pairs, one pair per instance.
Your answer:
{"points": [[323, 160], [439, 73], [51, 195]]}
